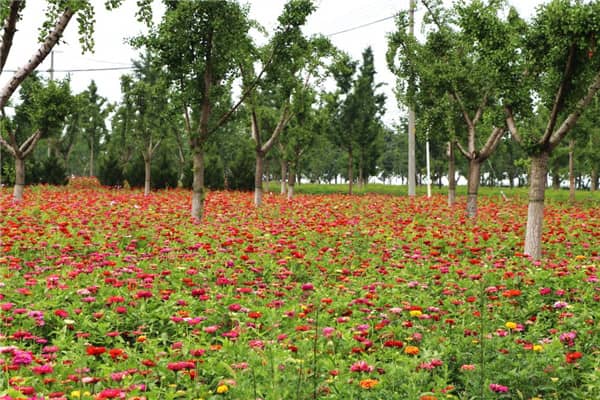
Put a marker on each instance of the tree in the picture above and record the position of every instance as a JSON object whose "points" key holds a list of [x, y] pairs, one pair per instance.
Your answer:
{"points": [[202, 45], [452, 63], [559, 62], [368, 110], [43, 109], [96, 111], [149, 92], [292, 60]]}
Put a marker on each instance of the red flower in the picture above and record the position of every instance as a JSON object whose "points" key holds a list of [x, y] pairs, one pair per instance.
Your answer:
{"points": [[95, 351], [570, 358]]}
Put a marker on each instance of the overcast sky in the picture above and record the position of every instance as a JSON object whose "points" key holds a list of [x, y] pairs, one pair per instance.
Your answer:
{"points": [[112, 28]]}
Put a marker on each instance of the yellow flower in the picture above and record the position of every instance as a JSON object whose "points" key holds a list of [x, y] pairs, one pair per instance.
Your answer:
{"points": [[75, 394], [415, 313], [580, 257], [511, 325], [538, 347], [222, 389]]}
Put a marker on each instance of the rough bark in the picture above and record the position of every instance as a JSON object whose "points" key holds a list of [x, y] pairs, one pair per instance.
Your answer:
{"points": [[571, 171], [19, 179], [535, 211], [473, 186], [258, 182], [451, 175], [556, 181], [198, 192], [594, 183], [147, 173], [291, 182]]}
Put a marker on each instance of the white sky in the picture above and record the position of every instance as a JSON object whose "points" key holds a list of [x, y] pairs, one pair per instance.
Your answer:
{"points": [[112, 28]]}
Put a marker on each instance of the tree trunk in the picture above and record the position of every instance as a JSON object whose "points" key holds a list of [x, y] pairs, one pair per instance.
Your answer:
{"points": [[556, 180], [571, 171], [198, 183], [451, 175], [258, 182], [594, 182], [535, 212], [284, 166], [19, 179], [291, 182], [361, 176], [350, 172], [147, 172], [473, 187], [92, 158]]}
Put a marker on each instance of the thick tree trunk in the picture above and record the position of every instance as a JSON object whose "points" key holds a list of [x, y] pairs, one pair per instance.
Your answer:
{"points": [[198, 192], [291, 182], [350, 172], [556, 181], [19, 179], [571, 171], [147, 173], [284, 167], [594, 183], [535, 212], [473, 187], [258, 182], [451, 175]]}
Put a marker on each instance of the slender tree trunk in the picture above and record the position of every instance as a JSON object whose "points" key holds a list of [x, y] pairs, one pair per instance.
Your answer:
{"points": [[535, 212], [361, 176], [412, 163], [198, 192], [571, 171], [594, 183], [350, 172], [473, 187], [451, 175], [147, 172], [258, 181], [284, 167], [92, 158], [19, 179]]}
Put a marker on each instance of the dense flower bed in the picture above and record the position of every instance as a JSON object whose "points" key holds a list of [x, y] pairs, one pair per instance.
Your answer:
{"points": [[107, 294]]}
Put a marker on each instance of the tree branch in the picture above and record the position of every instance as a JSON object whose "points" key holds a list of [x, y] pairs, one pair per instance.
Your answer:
{"points": [[31, 142], [281, 124], [9, 32], [245, 94], [560, 96], [8, 147], [510, 123], [571, 120], [39, 56], [491, 143], [463, 110], [254, 128], [462, 150]]}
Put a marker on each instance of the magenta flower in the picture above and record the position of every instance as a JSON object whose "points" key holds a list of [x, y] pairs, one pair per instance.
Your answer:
{"points": [[494, 387], [361, 366]]}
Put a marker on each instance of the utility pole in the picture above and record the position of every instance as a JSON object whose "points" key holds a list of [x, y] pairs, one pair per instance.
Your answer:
{"points": [[412, 172]]}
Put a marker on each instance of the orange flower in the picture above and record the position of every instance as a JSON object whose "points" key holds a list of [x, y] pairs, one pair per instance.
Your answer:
{"points": [[427, 397], [411, 350], [368, 383]]}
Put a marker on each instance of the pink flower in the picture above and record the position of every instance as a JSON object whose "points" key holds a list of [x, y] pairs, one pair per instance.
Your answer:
{"points": [[494, 387], [361, 366]]}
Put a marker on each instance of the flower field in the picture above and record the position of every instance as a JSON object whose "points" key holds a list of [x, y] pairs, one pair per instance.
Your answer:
{"points": [[107, 294]]}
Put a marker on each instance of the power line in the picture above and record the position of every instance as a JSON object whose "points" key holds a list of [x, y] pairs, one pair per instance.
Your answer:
{"points": [[81, 69], [361, 26]]}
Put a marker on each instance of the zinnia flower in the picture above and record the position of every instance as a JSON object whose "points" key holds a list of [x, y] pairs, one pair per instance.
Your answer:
{"points": [[494, 387], [368, 383]]}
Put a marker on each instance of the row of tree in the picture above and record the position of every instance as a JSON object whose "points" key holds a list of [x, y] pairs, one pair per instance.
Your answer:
{"points": [[481, 68]]}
